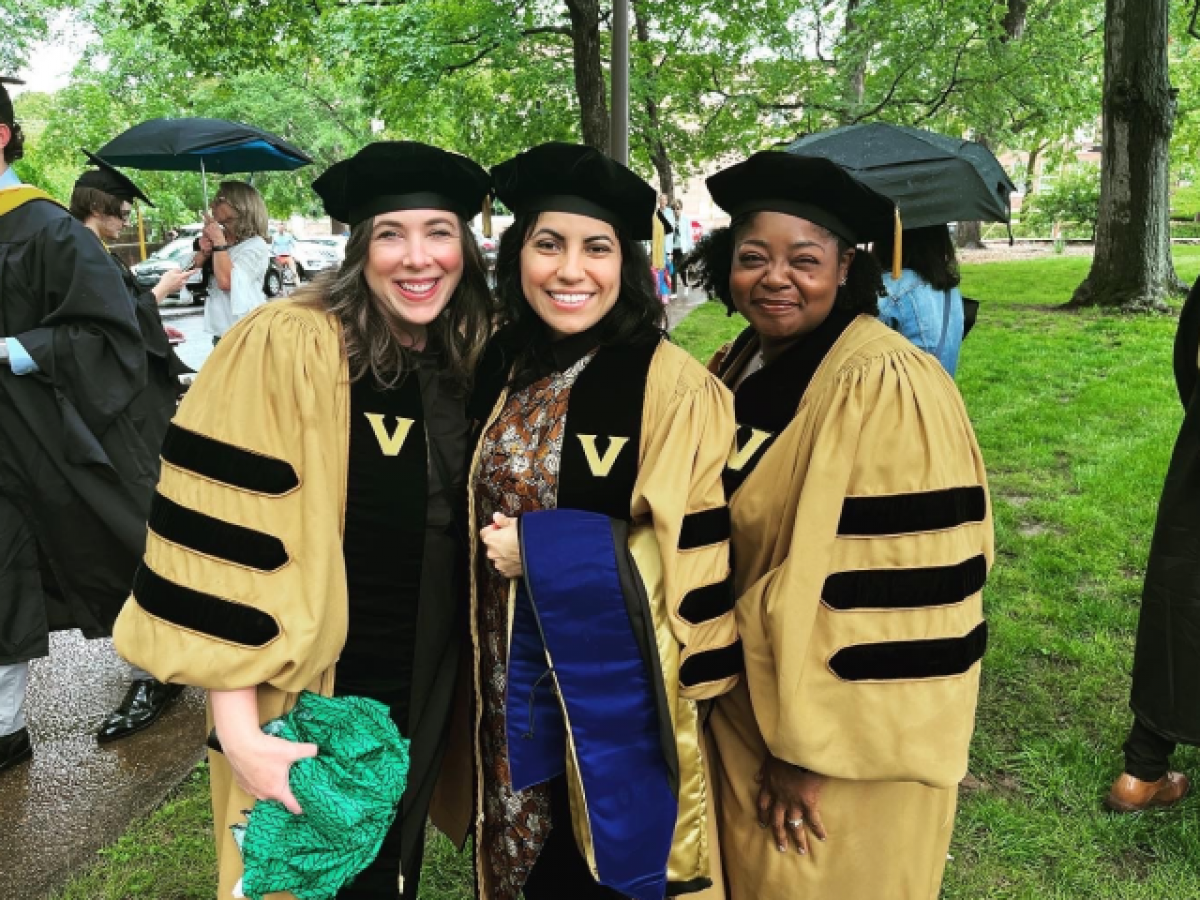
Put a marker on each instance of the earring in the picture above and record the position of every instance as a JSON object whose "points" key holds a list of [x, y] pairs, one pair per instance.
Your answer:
{"points": [[842, 283]]}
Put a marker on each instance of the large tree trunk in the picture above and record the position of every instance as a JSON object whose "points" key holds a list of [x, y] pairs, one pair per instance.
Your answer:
{"points": [[1132, 267], [653, 133], [589, 73]]}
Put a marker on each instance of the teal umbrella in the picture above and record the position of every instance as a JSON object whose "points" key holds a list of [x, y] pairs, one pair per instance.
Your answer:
{"points": [[349, 792]]}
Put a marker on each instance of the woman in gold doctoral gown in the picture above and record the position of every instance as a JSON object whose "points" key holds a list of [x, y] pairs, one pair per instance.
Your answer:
{"points": [[309, 512], [862, 536], [601, 605]]}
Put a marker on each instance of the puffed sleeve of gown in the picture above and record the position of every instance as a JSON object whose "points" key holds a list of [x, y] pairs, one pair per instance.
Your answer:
{"points": [[690, 424], [863, 646], [243, 566]]}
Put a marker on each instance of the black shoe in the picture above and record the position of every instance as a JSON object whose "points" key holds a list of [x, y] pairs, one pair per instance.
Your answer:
{"points": [[144, 702], [15, 748]]}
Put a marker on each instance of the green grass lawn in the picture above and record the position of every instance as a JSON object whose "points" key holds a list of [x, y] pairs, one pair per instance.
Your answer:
{"points": [[1076, 413]]}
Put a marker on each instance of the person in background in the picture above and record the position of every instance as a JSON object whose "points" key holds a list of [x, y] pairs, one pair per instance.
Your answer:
{"points": [[924, 304], [103, 201], [862, 535], [681, 246], [309, 529], [76, 476], [1166, 667], [234, 240], [283, 245]]}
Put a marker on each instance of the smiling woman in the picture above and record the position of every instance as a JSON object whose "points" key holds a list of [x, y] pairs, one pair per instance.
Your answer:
{"points": [[307, 516], [596, 494], [862, 530]]}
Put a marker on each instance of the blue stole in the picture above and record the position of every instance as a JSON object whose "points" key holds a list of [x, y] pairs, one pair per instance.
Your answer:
{"points": [[571, 630]]}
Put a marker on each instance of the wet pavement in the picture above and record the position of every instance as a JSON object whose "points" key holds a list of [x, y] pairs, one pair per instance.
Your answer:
{"points": [[76, 796]]}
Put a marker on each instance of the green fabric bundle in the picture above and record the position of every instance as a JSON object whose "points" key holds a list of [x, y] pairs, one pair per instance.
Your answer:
{"points": [[349, 792]]}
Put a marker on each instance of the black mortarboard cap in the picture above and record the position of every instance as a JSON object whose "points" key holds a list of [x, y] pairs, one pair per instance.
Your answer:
{"points": [[392, 175], [7, 117], [558, 177], [110, 180], [809, 187]]}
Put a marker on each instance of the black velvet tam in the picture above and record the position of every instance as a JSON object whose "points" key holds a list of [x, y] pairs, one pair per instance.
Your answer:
{"points": [[571, 178], [110, 180], [392, 175], [808, 187]]}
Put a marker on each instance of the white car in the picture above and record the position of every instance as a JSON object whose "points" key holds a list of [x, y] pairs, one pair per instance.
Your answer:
{"points": [[314, 256]]}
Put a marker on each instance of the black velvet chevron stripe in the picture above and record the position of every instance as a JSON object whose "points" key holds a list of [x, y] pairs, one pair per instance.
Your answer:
{"points": [[709, 602], [909, 660], [712, 665], [905, 588], [912, 513], [216, 537], [218, 461], [700, 529], [196, 611]]}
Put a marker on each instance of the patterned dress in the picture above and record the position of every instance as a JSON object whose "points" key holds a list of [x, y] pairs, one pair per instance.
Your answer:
{"points": [[518, 473]]}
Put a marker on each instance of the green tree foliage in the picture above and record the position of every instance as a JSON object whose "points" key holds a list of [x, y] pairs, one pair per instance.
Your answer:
{"points": [[127, 78], [1074, 198]]}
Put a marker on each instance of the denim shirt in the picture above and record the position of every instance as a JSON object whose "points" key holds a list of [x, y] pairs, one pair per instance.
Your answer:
{"points": [[918, 311]]}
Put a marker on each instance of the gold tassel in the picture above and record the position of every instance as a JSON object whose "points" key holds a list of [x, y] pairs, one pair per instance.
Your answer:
{"points": [[486, 224], [898, 248]]}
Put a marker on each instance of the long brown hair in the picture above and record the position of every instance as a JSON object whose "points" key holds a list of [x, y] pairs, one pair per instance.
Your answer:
{"points": [[373, 333]]}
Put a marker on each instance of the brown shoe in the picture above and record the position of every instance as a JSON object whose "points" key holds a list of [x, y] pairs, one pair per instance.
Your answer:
{"points": [[1129, 794]]}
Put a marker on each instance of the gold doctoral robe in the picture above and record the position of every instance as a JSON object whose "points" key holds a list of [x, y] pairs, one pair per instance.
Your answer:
{"points": [[678, 539], [862, 536], [244, 581]]}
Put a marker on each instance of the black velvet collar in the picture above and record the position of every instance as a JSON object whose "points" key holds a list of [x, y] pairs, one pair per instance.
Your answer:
{"points": [[767, 401], [769, 398]]}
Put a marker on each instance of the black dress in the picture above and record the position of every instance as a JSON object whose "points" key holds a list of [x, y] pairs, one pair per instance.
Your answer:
{"points": [[403, 549]]}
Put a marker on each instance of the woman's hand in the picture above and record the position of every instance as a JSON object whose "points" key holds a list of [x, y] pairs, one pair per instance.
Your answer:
{"points": [[172, 282], [503, 548], [214, 231], [261, 765], [789, 803]]}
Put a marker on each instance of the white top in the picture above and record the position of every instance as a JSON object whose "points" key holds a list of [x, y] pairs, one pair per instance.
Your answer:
{"points": [[223, 309]]}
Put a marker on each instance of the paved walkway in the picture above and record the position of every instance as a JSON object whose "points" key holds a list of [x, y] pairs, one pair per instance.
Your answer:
{"points": [[76, 797]]}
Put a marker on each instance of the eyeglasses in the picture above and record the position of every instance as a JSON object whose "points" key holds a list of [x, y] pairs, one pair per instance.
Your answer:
{"points": [[125, 214]]}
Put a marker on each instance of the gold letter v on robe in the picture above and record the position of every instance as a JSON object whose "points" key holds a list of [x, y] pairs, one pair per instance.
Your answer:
{"points": [[390, 444], [599, 465], [743, 454]]}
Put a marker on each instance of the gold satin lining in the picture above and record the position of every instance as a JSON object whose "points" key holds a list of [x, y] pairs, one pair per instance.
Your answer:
{"points": [[689, 850]]}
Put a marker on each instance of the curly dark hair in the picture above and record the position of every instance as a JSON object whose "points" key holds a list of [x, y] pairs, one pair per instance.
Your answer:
{"points": [[927, 251], [638, 314], [713, 259]]}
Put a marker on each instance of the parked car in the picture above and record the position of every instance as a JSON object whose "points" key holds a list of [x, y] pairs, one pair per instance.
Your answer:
{"points": [[174, 255], [313, 257], [178, 254], [488, 246]]}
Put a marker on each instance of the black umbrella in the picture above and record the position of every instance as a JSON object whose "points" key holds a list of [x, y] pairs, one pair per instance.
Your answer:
{"points": [[201, 145], [932, 178]]}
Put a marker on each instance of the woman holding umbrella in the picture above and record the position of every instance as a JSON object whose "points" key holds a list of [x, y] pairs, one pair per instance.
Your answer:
{"points": [[862, 536], [234, 241], [307, 513], [924, 303]]}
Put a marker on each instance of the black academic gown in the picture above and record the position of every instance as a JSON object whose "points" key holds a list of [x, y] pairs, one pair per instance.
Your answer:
{"points": [[76, 477], [1166, 660], [153, 409]]}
